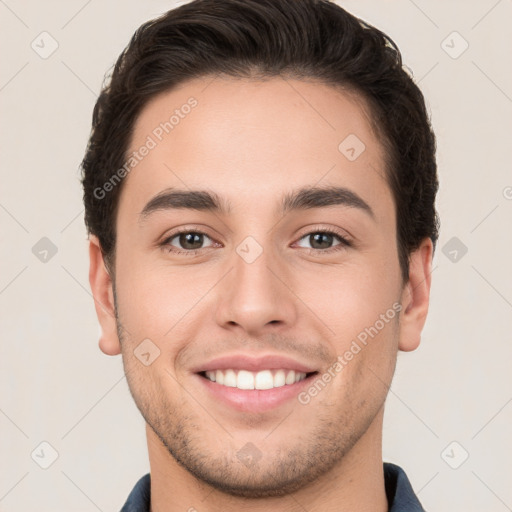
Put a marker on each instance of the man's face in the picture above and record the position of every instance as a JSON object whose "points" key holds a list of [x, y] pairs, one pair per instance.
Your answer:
{"points": [[261, 294]]}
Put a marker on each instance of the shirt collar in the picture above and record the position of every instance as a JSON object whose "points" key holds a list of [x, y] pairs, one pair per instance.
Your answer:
{"points": [[400, 495]]}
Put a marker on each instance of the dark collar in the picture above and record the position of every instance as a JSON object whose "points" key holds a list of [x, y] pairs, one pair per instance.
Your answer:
{"points": [[401, 497]]}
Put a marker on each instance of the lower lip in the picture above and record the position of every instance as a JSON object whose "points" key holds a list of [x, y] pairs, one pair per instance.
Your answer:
{"points": [[255, 400]]}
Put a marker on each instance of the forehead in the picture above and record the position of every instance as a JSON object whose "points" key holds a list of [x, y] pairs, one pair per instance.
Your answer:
{"points": [[250, 140]]}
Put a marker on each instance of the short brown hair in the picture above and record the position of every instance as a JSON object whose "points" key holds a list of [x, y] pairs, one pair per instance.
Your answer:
{"points": [[303, 39]]}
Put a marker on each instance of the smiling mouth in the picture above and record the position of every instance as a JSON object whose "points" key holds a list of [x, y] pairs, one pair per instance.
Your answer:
{"points": [[264, 379]]}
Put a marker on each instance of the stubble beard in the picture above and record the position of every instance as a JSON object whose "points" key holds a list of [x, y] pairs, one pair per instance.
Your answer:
{"points": [[307, 458]]}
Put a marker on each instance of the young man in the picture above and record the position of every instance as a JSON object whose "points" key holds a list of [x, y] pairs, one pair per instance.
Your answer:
{"points": [[259, 189]]}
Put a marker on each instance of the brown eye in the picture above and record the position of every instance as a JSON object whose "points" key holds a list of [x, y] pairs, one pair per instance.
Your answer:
{"points": [[189, 241], [322, 240]]}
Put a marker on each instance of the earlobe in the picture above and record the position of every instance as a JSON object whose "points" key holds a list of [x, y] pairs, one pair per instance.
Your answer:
{"points": [[102, 291], [416, 296]]}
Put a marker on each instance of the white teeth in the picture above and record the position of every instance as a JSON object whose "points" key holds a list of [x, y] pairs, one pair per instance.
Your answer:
{"points": [[264, 379], [230, 378], [244, 380], [290, 377], [279, 379]]}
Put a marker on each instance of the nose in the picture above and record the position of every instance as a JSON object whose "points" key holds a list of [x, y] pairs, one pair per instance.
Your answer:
{"points": [[255, 296]]}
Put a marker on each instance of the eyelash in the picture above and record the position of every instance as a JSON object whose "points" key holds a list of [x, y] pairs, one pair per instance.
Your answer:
{"points": [[344, 243]]}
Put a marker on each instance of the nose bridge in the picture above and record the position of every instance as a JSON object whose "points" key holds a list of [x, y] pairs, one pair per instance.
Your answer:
{"points": [[254, 297]]}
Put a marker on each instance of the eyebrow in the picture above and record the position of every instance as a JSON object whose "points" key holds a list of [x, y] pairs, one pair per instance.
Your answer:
{"points": [[320, 197], [302, 199], [201, 200]]}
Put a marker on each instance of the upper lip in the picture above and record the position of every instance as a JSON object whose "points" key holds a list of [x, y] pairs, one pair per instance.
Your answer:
{"points": [[255, 364]]}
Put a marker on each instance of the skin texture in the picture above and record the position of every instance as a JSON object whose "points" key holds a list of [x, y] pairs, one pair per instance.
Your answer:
{"points": [[251, 142]]}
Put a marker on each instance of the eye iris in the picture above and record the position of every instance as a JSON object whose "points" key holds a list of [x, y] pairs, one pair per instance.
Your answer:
{"points": [[321, 240], [191, 240]]}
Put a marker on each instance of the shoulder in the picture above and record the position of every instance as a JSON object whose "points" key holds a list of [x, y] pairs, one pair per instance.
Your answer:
{"points": [[139, 498], [400, 494]]}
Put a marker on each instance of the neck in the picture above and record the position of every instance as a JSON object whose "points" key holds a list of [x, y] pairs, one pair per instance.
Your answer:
{"points": [[355, 483]]}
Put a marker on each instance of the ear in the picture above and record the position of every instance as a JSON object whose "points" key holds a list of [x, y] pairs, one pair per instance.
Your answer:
{"points": [[416, 296], [102, 291]]}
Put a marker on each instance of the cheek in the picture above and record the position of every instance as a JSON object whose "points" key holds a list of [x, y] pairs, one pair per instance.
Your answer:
{"points": [[350, 299], [155, 299], [359, 306]]}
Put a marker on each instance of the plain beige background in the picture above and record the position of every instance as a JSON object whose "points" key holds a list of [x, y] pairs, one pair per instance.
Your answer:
{"points": [[450, 407]]}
